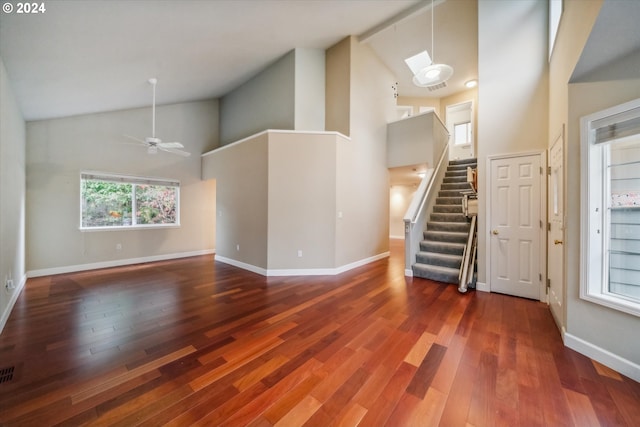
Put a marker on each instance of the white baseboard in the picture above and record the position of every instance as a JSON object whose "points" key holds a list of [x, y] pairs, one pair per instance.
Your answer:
{"points": [[115, 263], [12, 301], [242, 265], [482, 287], [408, 272], [613, 361], [397, 237], [301, 271]]}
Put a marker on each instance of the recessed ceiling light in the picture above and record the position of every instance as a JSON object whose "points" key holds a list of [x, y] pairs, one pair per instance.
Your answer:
{"points": [[471, 83]]}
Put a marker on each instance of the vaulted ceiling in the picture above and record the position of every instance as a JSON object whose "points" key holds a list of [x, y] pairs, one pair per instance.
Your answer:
{"points": [[82, 57]]}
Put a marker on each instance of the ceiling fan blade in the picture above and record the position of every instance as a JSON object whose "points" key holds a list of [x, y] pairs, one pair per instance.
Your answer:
{"points": [[174, 151], [170, 145], [141, 141]]}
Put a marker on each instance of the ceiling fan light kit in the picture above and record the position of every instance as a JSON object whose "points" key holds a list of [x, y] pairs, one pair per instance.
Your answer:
{"points": [[433, 74], [153, 143]]}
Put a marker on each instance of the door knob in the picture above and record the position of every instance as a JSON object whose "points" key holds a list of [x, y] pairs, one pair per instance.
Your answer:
{"points": [[557, 242], [495, 232]]}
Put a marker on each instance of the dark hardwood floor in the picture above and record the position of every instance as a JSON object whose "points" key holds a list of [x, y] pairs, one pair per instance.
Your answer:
{"points": [[194, 342]]}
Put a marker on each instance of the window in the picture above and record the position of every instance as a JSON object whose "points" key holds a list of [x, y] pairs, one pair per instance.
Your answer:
{"points": [[462, 133], [555, 13], [611, 208], [115, 201]]}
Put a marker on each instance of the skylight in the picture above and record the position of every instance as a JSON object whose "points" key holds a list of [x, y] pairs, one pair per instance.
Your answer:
{"points": [[418, 62]]}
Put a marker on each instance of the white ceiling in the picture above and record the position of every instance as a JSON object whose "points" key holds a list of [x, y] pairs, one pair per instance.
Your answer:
{"points": [[88, 56]]}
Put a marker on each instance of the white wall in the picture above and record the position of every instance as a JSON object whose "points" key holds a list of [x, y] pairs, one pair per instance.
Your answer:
{"points": [[12, 196], [513, 90], [57, 150]]}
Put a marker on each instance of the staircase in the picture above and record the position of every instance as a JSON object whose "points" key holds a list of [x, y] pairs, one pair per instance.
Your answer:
{"points": [[447, 230]]}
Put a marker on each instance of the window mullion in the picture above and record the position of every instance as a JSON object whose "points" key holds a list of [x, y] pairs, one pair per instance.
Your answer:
{"points": [[134, 207]]}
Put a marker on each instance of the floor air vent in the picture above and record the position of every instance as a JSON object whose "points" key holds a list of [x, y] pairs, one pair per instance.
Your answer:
{"points": [[6, 374]]}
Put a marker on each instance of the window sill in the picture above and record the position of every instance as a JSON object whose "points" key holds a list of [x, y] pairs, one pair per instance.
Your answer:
{"points": [[613, 301], [128, 228]]}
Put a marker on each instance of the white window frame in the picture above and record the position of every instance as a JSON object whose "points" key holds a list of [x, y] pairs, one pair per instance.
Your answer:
{"points": [[134, 180], [594, 269]]}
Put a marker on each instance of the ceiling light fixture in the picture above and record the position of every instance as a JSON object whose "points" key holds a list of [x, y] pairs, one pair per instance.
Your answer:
{"points": [[471, 83], [433, 74]]}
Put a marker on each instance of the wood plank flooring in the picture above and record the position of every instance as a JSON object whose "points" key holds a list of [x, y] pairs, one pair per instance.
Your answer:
{"points": [[196, 342]]}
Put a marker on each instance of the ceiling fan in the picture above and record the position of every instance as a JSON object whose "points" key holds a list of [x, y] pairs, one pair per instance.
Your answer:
{"points": [[154, 144]]}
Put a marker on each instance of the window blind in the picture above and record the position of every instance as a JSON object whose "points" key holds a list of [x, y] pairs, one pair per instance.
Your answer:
{"points": [[617, 126]]}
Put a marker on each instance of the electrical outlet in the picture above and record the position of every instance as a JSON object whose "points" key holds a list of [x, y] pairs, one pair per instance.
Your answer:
{"points": [[238, 248], [299, 254], [118, 246], [9, 285]]}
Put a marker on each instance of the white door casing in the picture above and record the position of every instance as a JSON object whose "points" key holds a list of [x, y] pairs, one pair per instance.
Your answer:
{"points": [[515, 206], [555, 240]]}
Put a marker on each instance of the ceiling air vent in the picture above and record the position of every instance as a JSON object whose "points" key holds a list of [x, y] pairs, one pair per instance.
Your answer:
{"points": [[438, 86]]}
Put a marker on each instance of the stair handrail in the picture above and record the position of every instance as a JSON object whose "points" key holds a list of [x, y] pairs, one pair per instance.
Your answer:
{"points": [[418, 203], [416, 213], [468, 258]]}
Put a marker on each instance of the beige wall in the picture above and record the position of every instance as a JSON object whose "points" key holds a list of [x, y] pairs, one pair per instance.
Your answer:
{"points": [[309, 104], [363, 178], [267, 101], [12, 196], [399, 200], [608, 329], [416, 103], [57, 150], [241, 176], [512, 92], [460, 97], [276, 196], [302, 200], [338, 87], [578, 18]]}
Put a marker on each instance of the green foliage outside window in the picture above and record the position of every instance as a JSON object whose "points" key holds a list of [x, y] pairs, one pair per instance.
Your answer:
{"points": [[155, 204], [111, 204]]}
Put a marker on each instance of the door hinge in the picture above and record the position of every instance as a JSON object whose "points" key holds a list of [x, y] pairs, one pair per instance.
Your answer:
{"points": [[548, 170], [540, 276], [548, 226], [541, 224], [548, 286], [541, 170]]}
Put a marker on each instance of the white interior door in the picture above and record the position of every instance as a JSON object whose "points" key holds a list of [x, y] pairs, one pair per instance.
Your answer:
{"points": [[514, 225], [555, 208]]}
